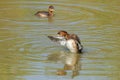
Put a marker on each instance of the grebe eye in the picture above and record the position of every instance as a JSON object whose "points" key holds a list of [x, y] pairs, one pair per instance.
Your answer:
{"points": [[58, 33]]}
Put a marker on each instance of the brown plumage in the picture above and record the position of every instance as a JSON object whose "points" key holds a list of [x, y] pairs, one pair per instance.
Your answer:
{"points": [[71, 36], [48, 13], [71, 41]]}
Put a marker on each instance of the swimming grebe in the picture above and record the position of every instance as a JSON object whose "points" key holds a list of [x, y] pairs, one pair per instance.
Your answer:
{"points": [[48, 13], [71, 41]]}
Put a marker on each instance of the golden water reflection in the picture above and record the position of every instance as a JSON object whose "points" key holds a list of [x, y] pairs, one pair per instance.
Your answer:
{"points": [[71, 63]]}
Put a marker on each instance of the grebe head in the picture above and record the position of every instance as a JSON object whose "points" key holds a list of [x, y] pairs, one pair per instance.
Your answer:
{"points": [[51, 8], [64, 34]]}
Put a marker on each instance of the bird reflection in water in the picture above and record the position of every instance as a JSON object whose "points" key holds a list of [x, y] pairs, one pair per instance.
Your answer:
{"points": [[71, 63], [50, 19]]}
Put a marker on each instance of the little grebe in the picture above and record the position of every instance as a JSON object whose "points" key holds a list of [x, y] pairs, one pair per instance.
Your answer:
{"points": [[71, 41], [48, 13]]}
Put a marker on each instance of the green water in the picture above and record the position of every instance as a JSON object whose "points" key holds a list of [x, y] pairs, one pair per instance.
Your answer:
{"points": [[27, 54]]}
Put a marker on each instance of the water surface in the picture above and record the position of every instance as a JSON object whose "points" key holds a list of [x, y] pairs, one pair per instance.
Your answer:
{"points": [[27, 53]]}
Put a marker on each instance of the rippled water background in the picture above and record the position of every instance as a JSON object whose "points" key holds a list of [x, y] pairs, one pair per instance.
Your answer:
{"points": [[27, 54]]}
